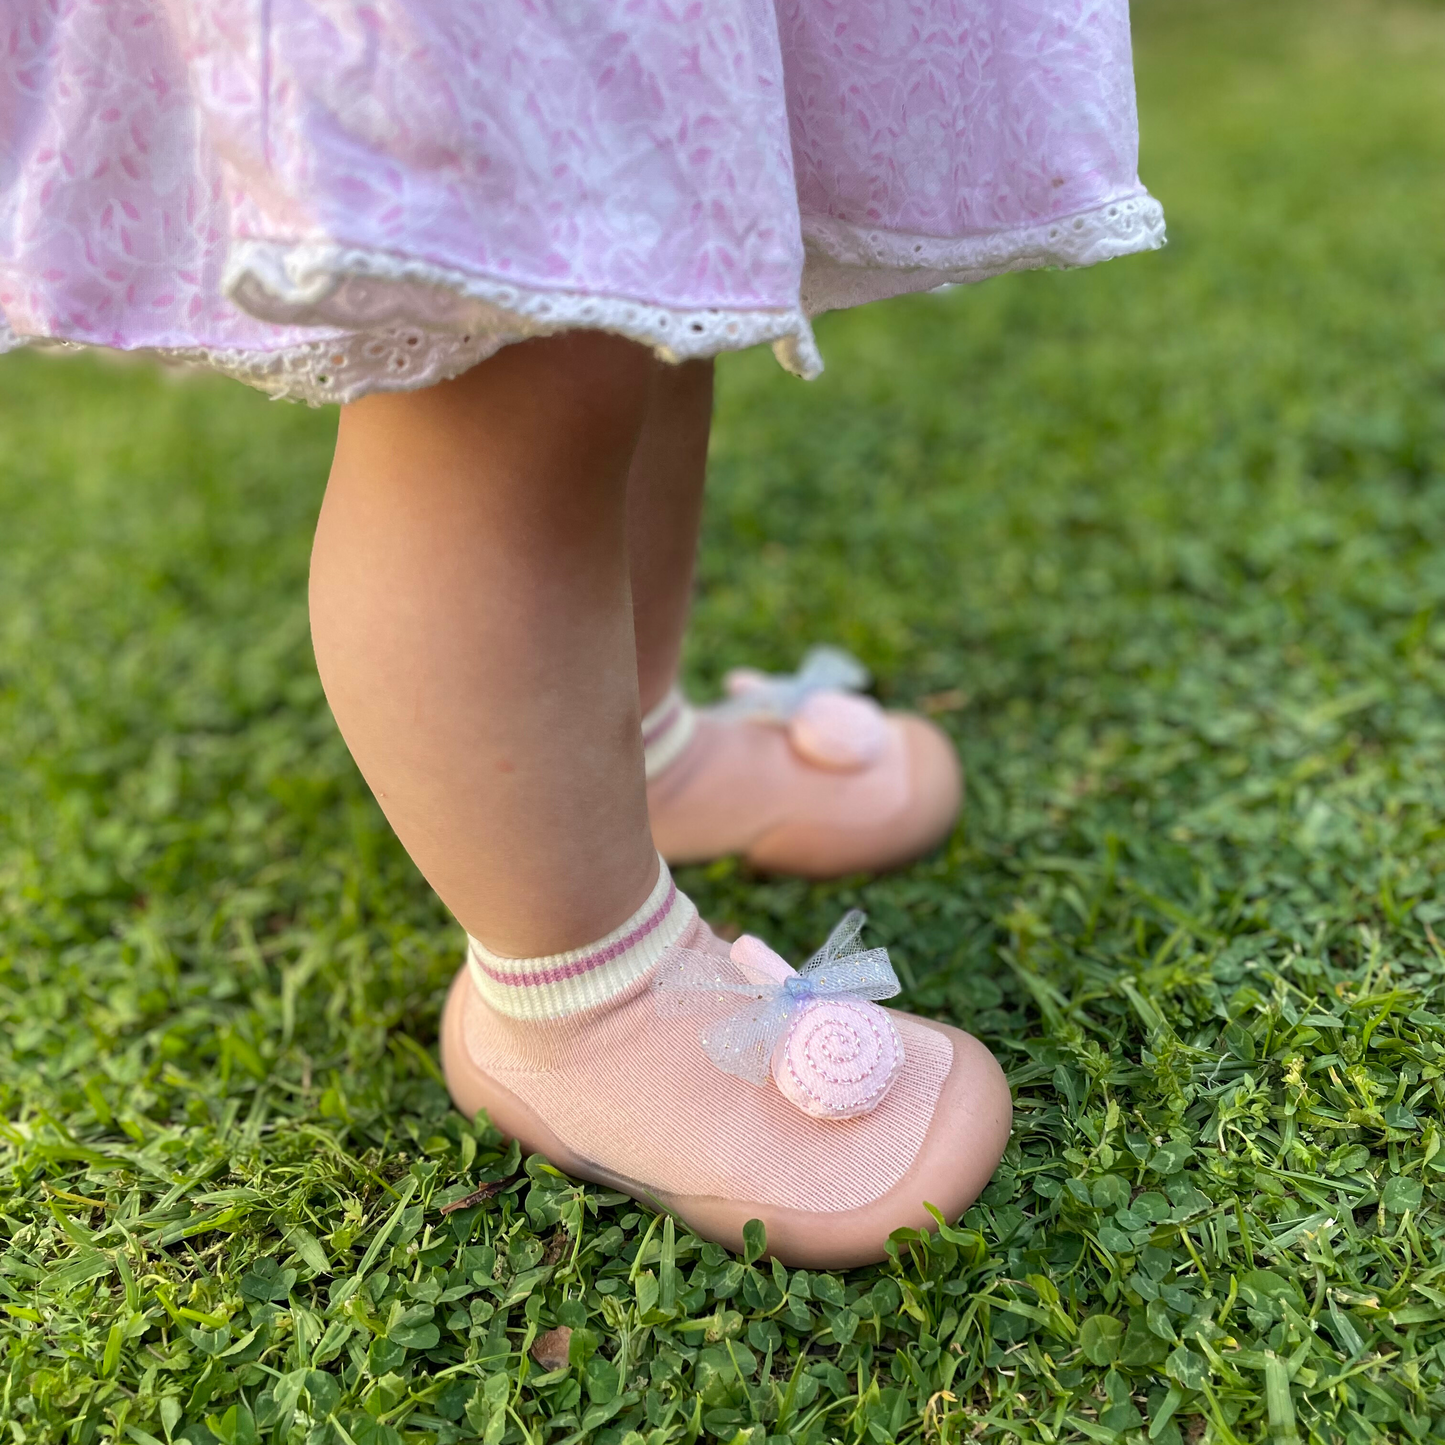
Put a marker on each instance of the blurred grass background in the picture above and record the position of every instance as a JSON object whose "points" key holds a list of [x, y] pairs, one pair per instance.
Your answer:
{"points": [[1160, 543]]}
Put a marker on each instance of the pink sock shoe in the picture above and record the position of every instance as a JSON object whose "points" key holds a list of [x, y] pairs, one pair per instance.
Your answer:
{"points": [[799, 775], [717, 1084]]}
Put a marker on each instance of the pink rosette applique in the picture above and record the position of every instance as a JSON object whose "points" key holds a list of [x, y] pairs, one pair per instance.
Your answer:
{"points": [[828, 723], [815, 1031], [838, 1058]]}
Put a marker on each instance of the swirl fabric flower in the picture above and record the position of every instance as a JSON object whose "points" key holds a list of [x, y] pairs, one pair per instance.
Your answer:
{"points": [[827, 721], [817, 1032]]}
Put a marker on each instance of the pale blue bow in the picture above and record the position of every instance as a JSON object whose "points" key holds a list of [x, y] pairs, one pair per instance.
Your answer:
{"points": [[779, 695], [742, 1043]]}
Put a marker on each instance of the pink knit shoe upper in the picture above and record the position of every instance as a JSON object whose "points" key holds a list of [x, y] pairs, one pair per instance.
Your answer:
{"points": [[629, 1096], [631, 1090]]}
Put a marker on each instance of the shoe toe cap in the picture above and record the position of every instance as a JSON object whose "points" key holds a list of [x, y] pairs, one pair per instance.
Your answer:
{"points": [[962, 1148], [967, 1138], [936, 779]]}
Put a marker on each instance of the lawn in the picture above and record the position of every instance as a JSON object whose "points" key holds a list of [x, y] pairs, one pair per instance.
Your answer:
{"points": [[1161, 545]]}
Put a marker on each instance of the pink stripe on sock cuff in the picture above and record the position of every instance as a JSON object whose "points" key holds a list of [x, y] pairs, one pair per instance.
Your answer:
{"points": [[666, 732], [672, 705], [589, 961], [566, 983]]}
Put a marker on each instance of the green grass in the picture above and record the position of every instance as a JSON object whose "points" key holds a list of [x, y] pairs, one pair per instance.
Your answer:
{"points": [[1162, 545]]}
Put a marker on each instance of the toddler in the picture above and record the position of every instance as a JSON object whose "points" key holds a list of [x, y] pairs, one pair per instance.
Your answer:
{"points": [[508, 236]]}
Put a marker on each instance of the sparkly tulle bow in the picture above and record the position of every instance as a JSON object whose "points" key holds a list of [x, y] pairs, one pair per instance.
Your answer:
{"points": [[816, 1030], [827, 721], [779, 695]]}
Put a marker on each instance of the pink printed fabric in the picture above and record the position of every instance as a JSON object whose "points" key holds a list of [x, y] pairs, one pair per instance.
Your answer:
{"points": [[330, 197]]}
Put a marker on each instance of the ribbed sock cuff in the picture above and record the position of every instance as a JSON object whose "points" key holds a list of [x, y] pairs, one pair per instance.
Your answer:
{"points": [[666, 731], [566, 983]]}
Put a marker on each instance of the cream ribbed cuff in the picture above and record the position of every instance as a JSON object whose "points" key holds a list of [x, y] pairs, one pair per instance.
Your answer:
{"points": [[666, 731], [566, 983]]}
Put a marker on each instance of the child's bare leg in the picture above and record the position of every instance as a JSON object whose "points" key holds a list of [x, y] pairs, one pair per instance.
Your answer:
{"points": [[473, 629], [473, 626], [844, 789], [664, 514]]}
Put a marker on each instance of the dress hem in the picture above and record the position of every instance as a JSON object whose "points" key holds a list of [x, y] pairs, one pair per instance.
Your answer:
{"points": [[402, 323], [850, 265]]}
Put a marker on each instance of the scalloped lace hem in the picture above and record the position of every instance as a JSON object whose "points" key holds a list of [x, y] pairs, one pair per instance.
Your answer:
{"points": [[849, 265], [408, 323], [403, 324], [411, 333]]}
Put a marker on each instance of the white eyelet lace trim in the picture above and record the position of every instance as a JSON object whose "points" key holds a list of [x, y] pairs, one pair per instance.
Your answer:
{"points": [[404, 323], [849, 265], [437, 322], [408, 357]]}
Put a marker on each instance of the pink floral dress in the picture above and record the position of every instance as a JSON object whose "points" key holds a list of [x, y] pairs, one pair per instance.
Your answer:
{"points": [[330, 197]]}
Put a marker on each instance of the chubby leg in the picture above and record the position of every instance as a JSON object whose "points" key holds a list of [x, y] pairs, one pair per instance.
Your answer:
{"points": [[472, 621], [474, 630]]}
